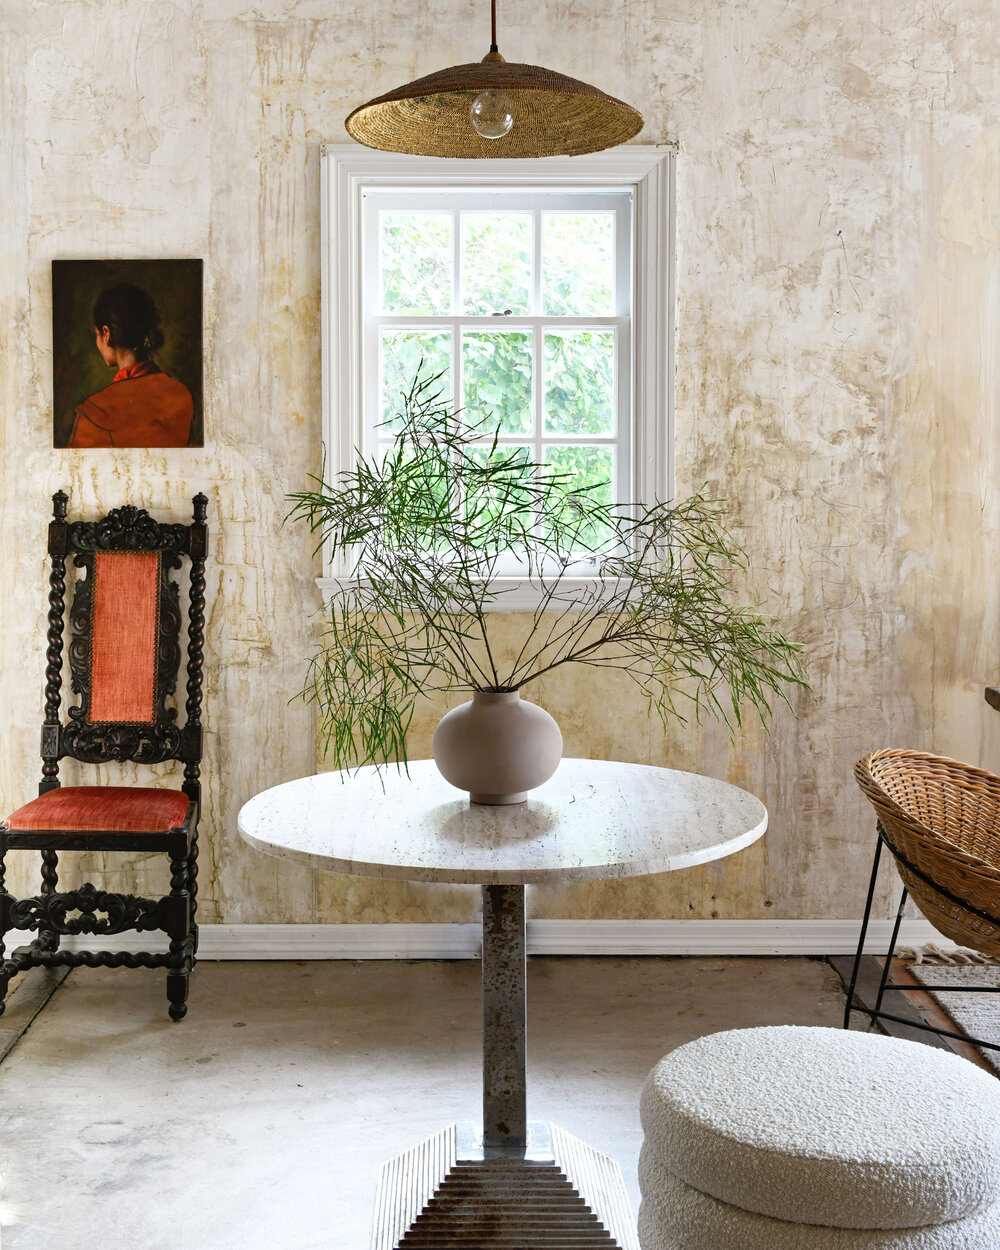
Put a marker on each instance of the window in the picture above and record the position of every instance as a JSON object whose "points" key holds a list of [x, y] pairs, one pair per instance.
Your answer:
{"points": [[521, 301], [543, 299]]}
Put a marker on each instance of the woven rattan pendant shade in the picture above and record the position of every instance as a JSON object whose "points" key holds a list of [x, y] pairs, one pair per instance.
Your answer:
{"points": [[553, 114]]}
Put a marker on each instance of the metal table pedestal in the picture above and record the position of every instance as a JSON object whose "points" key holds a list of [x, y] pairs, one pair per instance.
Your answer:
{"points": [[511, 1184]]}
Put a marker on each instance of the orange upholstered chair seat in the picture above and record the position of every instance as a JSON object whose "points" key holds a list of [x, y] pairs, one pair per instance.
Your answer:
{"points": [[103, 809]]}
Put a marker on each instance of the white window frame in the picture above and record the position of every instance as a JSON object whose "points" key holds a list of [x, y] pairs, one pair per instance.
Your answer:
{"points": [[348, 170]]}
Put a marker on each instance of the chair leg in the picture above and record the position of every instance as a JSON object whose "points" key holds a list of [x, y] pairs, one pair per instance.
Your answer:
{"points": [[892, 949], [6, 971], [47, 939], [864, 933], [179, 971], [193, 891], [177, 991]]}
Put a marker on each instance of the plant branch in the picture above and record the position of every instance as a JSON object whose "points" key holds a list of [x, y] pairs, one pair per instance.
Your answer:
{"points": [[424, 529]]}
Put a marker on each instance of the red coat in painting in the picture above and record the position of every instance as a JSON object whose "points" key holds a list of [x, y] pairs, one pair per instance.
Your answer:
{"points": [[141, 408]]}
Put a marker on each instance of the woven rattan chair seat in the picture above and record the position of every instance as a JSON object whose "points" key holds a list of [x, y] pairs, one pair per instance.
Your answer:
{"points": [[941, 819]]}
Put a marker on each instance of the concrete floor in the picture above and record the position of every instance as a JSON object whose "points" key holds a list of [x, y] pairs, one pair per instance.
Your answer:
{"points": [[260, 1121]]}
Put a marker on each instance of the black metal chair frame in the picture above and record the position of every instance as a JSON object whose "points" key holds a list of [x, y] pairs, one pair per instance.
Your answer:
{"points": [[874, 1014], [126, 529]]}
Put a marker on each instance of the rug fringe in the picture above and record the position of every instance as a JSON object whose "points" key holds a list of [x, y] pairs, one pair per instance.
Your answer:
{"points": [[932, 953]]}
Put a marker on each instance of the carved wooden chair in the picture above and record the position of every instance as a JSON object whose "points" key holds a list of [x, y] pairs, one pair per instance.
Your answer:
{"points": [[124, 660]]}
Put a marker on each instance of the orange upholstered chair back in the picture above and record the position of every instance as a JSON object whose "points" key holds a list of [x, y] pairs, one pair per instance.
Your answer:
{"points": [[125, 636]]}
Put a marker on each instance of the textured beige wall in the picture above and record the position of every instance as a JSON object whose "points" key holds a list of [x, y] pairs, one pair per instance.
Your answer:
{"points": [[838, 284]]}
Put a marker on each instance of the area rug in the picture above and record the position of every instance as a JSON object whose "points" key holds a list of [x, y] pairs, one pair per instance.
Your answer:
{"points": [[975, 1015]]}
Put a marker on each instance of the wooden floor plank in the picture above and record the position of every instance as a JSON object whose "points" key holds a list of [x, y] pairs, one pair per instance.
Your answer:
{"points": [[916, 1005]]}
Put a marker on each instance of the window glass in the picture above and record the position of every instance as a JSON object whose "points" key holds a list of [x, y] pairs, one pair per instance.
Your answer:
{"points": [[483, 510], [579, 382], [496, 264], [519, 302], [591, 468], [402, 353], [578, 264], [415, 254], [497, 379]]}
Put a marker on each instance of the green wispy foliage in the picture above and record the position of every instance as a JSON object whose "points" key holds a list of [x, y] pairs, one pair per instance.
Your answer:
{"points": [[429, 528]]}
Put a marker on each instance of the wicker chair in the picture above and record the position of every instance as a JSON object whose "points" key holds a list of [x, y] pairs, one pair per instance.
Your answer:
{"points": [[941, 822]]}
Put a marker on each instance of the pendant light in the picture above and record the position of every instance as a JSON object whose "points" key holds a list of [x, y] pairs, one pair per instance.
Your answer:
{"points": [[493, 108]]}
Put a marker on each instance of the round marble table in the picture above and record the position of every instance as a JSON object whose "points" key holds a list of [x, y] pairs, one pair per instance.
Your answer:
{"points": [[593, 820]]}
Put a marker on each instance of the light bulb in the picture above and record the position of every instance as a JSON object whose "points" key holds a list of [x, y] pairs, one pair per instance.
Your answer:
{"points": [[491, 114]]}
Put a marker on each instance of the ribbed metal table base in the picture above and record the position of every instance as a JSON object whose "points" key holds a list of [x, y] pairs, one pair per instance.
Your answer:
{"points": [[556, 1193], [506, 1184]]}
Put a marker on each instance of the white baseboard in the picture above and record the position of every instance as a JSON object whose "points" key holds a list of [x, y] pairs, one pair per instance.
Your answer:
{"points": [[719, 937], [545, 937]]}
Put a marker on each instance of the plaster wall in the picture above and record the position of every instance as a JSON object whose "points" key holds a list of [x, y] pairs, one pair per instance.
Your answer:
{"points": [[838, 276]]}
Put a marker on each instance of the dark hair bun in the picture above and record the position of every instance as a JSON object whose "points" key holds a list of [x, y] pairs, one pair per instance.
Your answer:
{"points": [[131, 316]]}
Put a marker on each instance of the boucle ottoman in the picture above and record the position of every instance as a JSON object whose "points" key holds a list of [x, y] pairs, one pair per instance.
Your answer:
{"points": [[793, 1138]]}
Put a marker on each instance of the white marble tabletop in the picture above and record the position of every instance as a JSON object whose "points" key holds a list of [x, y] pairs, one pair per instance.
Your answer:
{"points": [[594, 819]]}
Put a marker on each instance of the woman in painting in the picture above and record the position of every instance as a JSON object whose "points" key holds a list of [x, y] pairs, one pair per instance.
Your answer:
{"points": [[142, 407]]}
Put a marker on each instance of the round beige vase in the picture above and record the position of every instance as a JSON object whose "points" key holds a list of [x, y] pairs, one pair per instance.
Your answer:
{"points": [[497, 747]]}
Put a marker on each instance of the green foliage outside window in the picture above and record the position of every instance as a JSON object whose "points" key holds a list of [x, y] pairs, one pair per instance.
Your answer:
{"points": [[415, 254], [577, 264], [497, 374], [496, 264], [579, 382], [498, 382]]}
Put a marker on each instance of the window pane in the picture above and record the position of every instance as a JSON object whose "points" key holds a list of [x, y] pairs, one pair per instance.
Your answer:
{"points": [[579, 382], [498, 498], [401, 354], [577, 264], [496, 263], [590, 467], [416, 261], [496, 370]]}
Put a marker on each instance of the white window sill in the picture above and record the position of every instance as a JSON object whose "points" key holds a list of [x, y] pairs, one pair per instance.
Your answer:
{"points": [[516, 594]]}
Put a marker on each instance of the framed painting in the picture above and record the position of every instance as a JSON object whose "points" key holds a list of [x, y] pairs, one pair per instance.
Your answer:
{"points": [[127, 353]]}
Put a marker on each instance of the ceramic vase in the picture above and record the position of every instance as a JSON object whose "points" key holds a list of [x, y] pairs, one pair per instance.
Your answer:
{"points": [[498, 747]]}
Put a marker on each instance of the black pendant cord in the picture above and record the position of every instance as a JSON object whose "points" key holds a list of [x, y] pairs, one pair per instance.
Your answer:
{"points": [[493, 26]]}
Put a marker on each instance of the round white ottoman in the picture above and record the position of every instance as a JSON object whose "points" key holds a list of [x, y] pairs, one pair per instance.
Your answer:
{"points": [[819, 1139]]}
